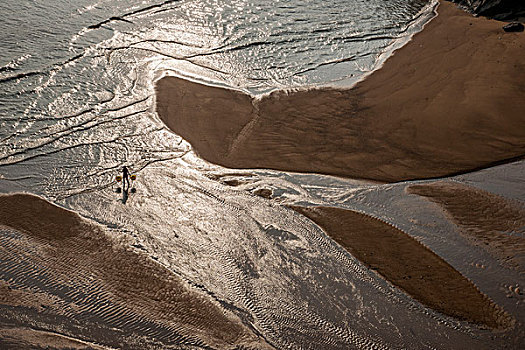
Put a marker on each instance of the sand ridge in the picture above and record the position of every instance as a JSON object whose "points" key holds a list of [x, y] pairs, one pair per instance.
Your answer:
{"points": [[409, 265], [28, 338], [450, 101]]}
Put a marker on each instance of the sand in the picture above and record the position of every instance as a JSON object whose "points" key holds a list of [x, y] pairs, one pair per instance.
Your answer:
{"points": [[448, 102], [66, 276], [28, 338], [408, 265], [489, 221]]}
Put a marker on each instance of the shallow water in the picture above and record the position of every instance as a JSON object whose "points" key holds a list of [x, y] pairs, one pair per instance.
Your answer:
{"points": [[77, 102], [252, 44], [76, 84]]}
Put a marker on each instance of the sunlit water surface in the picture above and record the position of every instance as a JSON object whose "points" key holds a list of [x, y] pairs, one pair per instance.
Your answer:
{"points": [[77, 102]]}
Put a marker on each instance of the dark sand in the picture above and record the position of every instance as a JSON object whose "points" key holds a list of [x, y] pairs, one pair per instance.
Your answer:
{"points": [[111, 285], [485, 219], [28, 338], [450, 101], [408, 265]]}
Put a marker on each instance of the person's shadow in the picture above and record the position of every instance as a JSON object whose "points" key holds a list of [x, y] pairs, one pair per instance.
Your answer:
{"points": [[125, 192], [125, 195]]}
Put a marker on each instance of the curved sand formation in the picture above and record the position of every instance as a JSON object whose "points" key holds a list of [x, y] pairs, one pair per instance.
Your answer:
{"points": [[450, 101], [408, 264], [486, 219], [66, 275]]}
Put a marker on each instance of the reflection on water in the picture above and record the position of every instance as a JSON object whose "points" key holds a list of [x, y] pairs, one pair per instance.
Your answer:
{"points": [[76, 83], [77, 103]]}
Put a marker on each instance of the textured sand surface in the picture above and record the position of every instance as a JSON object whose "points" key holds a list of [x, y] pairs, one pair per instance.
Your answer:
{"points": [[408, 265], [63, 267], [450, 101], [489, 221]]}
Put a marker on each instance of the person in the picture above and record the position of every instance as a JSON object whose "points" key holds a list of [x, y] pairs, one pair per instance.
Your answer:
{"points": [[125, 177]]}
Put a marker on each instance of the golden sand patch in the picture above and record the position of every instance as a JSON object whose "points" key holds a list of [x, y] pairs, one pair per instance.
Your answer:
{"points": [[443, 104]]}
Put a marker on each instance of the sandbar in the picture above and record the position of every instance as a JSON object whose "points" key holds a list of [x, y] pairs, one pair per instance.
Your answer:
{"points": [[450, 101], [408, 265]]}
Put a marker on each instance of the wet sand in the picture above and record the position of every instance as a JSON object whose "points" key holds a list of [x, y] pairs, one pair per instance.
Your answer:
{"points": [[489, 221], [64, 276], [28, 338], [408, 265], [448, 102]]}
